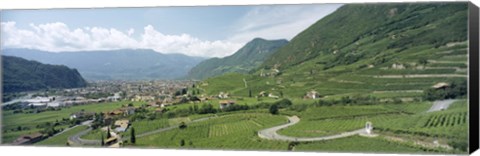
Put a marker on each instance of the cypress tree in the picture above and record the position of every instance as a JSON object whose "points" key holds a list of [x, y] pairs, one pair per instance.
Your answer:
{"points": [[132, 136]]}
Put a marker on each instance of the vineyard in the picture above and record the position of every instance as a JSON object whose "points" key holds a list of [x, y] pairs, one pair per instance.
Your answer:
{"points": [[234, 131], [451, 123], [359, 144]]}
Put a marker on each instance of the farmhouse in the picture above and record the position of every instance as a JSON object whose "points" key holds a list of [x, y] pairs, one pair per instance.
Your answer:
{"points": [[226, 103], [441, 85], [222, 95], [272, 96], [312, 95], [128, 110], [28, 139], [110, 141], [121, 125]]}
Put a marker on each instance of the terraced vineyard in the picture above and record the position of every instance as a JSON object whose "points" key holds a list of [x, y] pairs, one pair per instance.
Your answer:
{"points": [[234, 131], [450, 123], [359, 144]]}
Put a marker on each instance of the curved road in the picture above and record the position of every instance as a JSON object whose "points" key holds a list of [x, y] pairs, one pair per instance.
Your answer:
{"points": [[271, 133]]}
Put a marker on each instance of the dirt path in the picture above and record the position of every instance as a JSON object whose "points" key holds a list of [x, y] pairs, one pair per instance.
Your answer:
{"points": [[441, 105], [271, 133]]}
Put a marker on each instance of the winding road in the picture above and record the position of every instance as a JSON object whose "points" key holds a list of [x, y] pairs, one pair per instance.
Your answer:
{"points": [[271, 133]]}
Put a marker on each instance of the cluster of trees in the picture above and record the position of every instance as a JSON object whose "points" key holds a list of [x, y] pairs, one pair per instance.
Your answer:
{"points": [[347, 100], [455, 89], [284, 103]]}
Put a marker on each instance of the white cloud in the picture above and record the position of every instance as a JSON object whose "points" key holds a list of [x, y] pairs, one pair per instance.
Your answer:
{"points": [[279, 21], [58, 36], [269, 22]]}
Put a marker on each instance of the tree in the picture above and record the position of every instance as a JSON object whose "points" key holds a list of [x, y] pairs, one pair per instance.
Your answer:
{"points": [[182, 125], [423, 61], [273, 109], [108, 133], [250, 93], [132, 136], [102, 141], [182, 142]]}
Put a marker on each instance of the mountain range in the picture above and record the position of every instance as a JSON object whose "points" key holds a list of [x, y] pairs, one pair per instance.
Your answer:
{"points": [[126, 64]]}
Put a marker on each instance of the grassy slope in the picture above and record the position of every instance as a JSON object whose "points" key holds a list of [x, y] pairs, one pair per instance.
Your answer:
{"points": [[61, 140], [346, 71], [358, 144]]}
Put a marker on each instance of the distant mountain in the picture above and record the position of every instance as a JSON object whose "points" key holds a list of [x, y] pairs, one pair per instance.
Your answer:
{"points": [[124, 64], [247, 58], [23, 75]]}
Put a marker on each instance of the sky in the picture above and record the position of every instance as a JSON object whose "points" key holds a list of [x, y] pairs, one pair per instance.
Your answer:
{"points": [[206, 31]]}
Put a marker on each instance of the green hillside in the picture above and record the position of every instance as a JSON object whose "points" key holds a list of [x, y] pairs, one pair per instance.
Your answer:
{"points": [[353, 26], [245, 59], [381, 50], [24, 75]]}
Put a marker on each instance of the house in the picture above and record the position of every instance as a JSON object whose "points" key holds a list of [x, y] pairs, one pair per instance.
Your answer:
{"points": [[28, 139], [128, 110], [222, 95], [441, 85], [226, 103], [121, 125], [262, 94], [312, 95], [110, 141], [272, 96]]}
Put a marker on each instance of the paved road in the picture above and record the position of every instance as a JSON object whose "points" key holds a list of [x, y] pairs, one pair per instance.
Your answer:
{"points": [[76, 140], [441, 105], [271, 133]]}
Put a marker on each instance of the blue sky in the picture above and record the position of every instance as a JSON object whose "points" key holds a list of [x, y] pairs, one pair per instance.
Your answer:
{"points": [[214, 31]]}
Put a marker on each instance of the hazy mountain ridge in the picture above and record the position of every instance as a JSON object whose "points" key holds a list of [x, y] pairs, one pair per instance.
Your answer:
{"points": [[126, 64]]}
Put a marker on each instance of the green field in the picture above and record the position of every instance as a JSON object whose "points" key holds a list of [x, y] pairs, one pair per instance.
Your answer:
{"points": [[358, 144], [61, 139], [235, 131]]}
